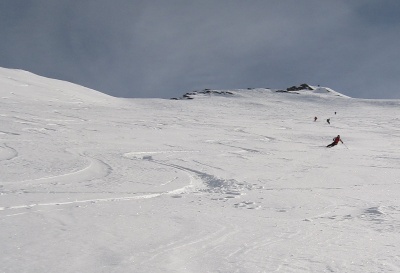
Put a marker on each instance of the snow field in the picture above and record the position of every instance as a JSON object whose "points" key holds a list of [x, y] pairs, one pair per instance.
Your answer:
{"points": [[240, 183]]}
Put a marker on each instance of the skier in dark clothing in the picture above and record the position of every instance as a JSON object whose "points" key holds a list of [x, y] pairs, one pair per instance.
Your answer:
{"points": [[335, 142], [328, 120]]}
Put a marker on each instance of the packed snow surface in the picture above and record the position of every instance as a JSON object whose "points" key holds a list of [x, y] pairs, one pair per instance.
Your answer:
{"points": [[220, 183]]}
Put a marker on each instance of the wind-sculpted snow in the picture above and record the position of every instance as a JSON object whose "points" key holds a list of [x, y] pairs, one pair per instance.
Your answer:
{"points": [[230, 181]]}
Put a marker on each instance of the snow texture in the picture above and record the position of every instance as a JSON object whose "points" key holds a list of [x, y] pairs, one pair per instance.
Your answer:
{"points": [[220, 183]]}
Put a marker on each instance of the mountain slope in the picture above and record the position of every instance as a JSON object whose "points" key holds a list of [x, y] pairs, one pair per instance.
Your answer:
{"points": [[23, 85], [237, 182]]}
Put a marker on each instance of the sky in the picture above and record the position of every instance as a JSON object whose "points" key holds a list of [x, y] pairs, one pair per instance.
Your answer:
{"points": [[165, 48]]}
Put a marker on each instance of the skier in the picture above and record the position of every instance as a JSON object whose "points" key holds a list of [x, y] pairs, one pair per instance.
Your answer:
{"points": [[315, 118], [328, 120], [335, 141]]}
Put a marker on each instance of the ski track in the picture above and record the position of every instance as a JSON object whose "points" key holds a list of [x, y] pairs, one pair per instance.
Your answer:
{"points": [[202, 246], [147, 157], [133, 155], [146, 196], [97, 169], [209, 183], [7, 153]]}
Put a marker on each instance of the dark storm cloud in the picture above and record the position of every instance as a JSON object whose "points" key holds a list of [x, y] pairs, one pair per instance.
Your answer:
{"points": [[165, 48]]}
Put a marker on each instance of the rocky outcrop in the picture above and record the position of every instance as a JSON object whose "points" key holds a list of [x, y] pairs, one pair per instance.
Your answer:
{"points": [[290, 90], [294, 88], [192, 95], [303, 86]]}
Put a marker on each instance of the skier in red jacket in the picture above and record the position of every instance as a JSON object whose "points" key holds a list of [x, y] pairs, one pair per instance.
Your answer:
{"points": [[335, 142]]}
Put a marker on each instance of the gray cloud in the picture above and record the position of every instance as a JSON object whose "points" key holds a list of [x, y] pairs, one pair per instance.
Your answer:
{"points": [[165, 48]]}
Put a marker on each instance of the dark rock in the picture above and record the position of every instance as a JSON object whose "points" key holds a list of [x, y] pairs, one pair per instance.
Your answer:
{"points": [[303, 86]]}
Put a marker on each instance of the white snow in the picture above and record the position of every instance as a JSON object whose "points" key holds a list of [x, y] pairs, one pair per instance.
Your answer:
{"points": [[235, 183]]}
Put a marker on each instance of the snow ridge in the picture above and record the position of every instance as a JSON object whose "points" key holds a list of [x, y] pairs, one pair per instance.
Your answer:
{"points": [[302, 89]]}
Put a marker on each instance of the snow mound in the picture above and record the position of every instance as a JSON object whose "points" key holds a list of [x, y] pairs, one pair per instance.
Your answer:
{"points": [[312, 90], [25, 86], [327, 90]]}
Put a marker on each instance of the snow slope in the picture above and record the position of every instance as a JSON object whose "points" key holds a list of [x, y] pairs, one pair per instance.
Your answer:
{"points": [[235, 183]]}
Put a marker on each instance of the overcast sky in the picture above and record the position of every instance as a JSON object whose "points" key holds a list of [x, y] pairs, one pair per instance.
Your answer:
{"points": [[165, 48]]}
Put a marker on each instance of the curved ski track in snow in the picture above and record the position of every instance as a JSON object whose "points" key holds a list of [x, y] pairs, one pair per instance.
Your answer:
{"points": [[97, 169], [94, 170], [193, 183], [204, 183], [7, 153]]}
